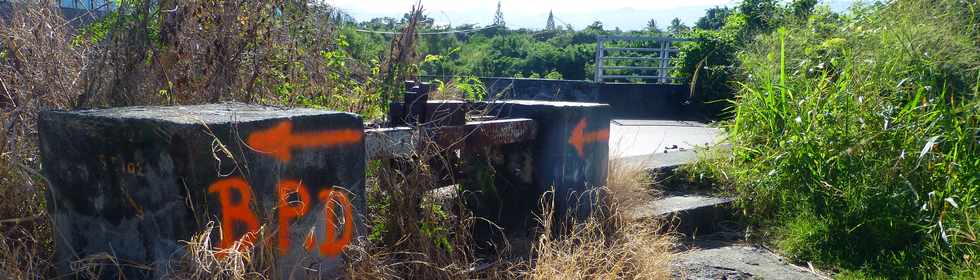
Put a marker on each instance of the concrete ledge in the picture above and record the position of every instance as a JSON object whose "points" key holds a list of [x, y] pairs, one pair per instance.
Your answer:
{"points": [[690, 214]]}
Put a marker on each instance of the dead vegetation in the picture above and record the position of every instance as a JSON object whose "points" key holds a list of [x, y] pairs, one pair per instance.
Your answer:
{"points": [[603, 247], [630, 183], [607, 244], [242, 53]]}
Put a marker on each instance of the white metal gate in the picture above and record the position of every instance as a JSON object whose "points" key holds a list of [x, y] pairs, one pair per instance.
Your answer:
{"points": [[649, 64]]}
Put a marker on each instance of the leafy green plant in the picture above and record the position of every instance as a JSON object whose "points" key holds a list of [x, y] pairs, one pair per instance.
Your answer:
{"points": [[861, 147], [710, 63]]}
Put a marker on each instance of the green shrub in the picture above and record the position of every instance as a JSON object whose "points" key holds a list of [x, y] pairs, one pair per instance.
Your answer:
{"points": [[860, 141], [710, 62]]}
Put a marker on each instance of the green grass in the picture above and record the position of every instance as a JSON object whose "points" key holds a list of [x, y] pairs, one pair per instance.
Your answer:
{"points": [[855, 139]]}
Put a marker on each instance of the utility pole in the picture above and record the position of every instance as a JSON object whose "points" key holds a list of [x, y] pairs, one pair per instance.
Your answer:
{"points": [[551, 21], [498, 18]]}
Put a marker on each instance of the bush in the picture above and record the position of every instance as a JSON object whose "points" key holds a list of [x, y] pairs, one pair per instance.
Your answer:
{"points": [[860, 142], [710, 62]]}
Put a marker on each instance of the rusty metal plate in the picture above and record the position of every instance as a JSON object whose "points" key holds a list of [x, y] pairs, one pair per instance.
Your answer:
{"points": [[499, 132], [405, 141]]}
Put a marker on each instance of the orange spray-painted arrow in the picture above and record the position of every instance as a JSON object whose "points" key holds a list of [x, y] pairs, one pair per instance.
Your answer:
{"points": [[280, 140], [580, 138]]}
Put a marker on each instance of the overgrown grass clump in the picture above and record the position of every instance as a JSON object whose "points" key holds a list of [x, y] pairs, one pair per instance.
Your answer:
{"points": [[856, 138]]}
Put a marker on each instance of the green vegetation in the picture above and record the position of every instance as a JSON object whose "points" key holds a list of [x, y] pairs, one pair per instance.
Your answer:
{"points": [[494, 51], [855, 136]]}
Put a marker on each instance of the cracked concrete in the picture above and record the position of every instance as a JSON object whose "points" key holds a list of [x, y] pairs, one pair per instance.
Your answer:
{"points": [[736, 261]]}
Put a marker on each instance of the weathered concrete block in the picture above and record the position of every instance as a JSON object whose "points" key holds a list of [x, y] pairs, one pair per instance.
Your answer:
{"points": [[134, 182], [571, 151]]}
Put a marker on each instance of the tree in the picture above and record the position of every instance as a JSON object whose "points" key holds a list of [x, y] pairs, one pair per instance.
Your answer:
{"points": [[652, 26], [714, 18], [803, 8], [551, 21], [677, 27], [425, 22], [760, 15], [595, 27], [382, 23], [498, 18]]}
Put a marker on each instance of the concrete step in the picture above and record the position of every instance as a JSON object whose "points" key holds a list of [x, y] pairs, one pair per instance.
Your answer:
{"points": [[690, 209], [737, 261], [660, 147], [689, 214]]}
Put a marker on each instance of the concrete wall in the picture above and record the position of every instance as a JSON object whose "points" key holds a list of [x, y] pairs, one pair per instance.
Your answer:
{"points": [[646, 101], [628, 101], [540, 89]]}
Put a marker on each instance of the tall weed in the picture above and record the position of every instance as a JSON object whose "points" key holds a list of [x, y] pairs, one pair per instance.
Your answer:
{"points": [[859, 142]]}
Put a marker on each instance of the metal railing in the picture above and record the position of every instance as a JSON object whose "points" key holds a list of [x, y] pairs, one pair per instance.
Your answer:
{"points": [[630, 57]]}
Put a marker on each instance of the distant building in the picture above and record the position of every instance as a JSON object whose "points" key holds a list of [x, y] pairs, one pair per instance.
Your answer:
{"points": [[79, 12]]}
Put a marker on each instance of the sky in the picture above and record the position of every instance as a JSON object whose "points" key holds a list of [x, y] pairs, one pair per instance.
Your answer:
{"points": [[625, 14]]}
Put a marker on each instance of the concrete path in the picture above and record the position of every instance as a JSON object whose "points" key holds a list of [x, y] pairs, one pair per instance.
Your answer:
{"points": [[630, 138], [736, 262]]}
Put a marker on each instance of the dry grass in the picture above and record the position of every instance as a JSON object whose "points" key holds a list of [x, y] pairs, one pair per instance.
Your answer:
{"points": [[37, 70], [632, 250], [629, 184], [23, 258], [203, 261], [606, 245]]}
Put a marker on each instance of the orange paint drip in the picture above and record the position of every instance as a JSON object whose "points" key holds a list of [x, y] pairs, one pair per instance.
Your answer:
{"points": [[333, 246], [232, 212], [310, 240], [287, 211], [580, 138], [280, 141]]}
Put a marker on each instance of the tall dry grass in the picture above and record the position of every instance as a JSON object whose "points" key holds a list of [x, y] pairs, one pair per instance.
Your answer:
{"points": [[37, 70], [629, 184], [607, 244]]}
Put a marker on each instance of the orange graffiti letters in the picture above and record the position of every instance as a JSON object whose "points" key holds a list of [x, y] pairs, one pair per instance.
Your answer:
{"points": [[332, 246], [232, 212], [239, 212], [280, 140], [580, 138], [288, 212]]}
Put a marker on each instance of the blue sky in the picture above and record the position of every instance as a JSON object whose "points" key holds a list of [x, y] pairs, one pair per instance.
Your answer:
{"points": [[625, 14]]}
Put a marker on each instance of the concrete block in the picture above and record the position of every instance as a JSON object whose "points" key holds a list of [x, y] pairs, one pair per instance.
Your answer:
{"points": [[570, 153], [134, 182]]}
